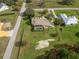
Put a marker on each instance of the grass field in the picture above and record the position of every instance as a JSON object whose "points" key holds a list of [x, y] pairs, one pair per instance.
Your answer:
{"points": [[31, 38], [52, 4]]}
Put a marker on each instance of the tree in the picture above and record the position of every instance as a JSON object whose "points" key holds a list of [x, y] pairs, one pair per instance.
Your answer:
{"points": [[29, 13], [61, 53], [28, 1], [68, 2], [58, 22], [8, 2]]}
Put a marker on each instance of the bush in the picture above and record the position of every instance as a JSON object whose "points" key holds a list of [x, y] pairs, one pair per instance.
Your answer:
{"points": [[43, 12], [16, 7]]}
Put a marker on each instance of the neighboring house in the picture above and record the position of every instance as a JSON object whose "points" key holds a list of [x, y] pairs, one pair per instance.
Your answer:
{"points": [[40, 23], [3, 7], [71, 20]]}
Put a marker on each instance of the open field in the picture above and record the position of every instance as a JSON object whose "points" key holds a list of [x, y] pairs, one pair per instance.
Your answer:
{"points": [[52, 4]]}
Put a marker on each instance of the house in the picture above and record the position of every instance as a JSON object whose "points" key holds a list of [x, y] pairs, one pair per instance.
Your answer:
{"points": [[71, 20], [40, 23], [3, 7]]}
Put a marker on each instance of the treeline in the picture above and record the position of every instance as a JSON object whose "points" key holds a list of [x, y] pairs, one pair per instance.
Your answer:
{"points": [[9, 2]]}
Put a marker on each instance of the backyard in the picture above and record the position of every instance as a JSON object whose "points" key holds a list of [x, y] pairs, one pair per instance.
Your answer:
{"points": [[52, 4]]}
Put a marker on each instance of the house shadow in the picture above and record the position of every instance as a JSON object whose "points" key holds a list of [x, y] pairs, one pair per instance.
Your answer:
{"points": [[53, 34]]}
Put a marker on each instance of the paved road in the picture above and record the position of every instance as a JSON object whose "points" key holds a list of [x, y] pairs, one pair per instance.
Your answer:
{"points": [[9, 48], [58, 8]]}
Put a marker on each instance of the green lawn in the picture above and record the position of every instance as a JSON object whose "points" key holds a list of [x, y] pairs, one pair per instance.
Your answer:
{"points": [[52, 4], [69, 33], [68, 12]]}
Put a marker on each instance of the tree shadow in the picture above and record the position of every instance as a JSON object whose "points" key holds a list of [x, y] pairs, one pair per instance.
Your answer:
{"points": [[20, 43], [61, 3], [77, 34], [53, 34]]}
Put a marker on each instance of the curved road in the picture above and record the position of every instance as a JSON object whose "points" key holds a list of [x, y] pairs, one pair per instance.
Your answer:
{"points": [[9, 48]]}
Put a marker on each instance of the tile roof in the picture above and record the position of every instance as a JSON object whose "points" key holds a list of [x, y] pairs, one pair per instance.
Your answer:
{"points": [[40, 21]]}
